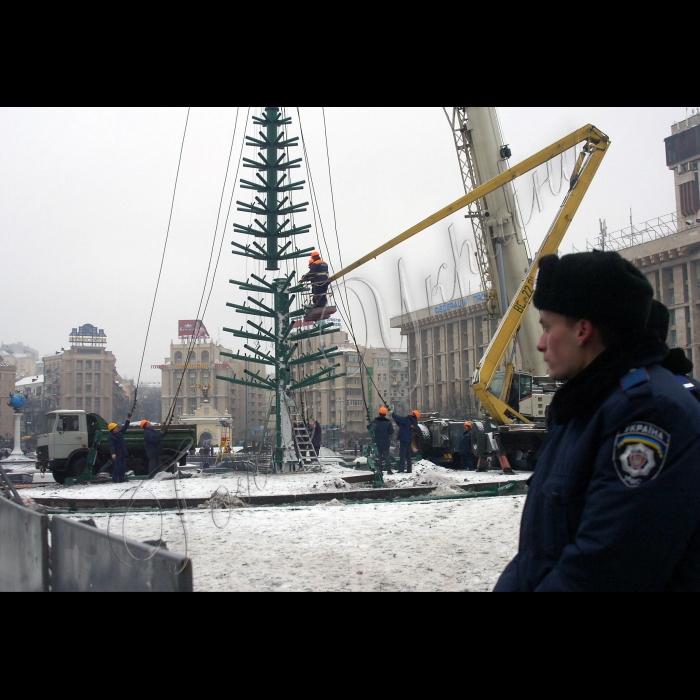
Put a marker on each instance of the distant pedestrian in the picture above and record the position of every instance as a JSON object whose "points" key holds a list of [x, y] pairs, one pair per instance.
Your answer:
{"points": [[407, 426], [154, 447], [316, 434], [117, 449], [382, 430], [465, 448]]}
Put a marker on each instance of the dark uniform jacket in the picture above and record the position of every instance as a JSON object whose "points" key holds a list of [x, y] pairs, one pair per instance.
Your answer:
{"points": [[465, 442], [117, 443], [316, 434], [152, 442], [406, 426], [383, 430], [614, 503], [318, 272]]}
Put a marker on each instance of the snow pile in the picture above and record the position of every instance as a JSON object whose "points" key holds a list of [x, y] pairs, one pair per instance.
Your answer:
{"points": [[223, 500], [334, 502]]}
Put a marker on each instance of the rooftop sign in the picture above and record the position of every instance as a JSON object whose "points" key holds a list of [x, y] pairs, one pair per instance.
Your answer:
{"points": [[188, 329], [87, 335], [460, 303]]}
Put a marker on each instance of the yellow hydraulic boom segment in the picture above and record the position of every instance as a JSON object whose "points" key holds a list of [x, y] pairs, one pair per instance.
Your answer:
{"points": [[587, 164], [596, 145]]}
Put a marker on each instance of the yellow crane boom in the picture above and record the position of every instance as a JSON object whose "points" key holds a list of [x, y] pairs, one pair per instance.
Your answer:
{"points": [[594, 150]]}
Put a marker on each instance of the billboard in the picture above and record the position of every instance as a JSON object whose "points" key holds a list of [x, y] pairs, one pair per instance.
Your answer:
{"points": [[187, 329]]}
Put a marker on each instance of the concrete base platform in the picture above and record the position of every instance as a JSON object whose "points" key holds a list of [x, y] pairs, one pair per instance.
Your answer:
{"points": [[103, 504]]}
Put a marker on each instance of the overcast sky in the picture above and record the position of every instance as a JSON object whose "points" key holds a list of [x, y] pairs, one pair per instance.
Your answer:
{"points": [[85, 197]]}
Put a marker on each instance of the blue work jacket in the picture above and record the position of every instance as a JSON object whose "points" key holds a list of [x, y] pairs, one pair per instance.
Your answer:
{"points": [[383, 430], [117, 443], [614, 503], [406, 424], [465, 443], [152, 442]]}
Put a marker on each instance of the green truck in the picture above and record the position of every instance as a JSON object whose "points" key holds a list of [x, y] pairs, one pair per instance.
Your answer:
{"points": [[67, 438]]}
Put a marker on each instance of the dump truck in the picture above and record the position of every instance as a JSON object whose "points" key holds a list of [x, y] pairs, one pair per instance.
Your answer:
{"points": [[68, 437]]}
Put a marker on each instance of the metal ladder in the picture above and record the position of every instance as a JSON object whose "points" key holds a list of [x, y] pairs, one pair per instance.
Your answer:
{"points": [[308, 460]]}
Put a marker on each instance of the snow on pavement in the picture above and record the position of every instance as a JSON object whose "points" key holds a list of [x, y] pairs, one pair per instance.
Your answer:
{"points": [[460, 545]]}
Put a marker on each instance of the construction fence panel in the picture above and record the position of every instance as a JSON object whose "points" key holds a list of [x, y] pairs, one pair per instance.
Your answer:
{"points": [[86, 558], [24, 549]]}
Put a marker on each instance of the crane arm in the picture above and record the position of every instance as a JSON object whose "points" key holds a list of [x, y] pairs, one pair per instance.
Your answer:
{"points": [[587, 164], [587, 133]]}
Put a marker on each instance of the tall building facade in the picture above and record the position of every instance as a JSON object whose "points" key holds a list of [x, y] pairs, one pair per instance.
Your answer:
{"points": [[190, 374], [21, 356], [85, 377], [683, 158], [7, 388], [445, 343]]}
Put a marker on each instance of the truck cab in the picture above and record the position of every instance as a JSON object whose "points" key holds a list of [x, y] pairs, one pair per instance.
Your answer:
{"points": [[65, 437]]}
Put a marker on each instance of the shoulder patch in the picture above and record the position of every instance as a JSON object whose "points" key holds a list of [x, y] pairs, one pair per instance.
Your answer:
{"points": [[640, 452], [634, 378]]}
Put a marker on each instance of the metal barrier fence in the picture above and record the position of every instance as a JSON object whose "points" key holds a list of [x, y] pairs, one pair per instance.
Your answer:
{"points": [[81, 557], [24, 548]]}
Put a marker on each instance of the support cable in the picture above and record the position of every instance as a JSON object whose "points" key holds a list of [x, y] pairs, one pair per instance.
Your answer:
{"points": [[199, 317], [162, 259]]}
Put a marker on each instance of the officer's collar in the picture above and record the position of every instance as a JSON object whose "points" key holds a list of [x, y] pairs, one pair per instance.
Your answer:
{"points": [[581, 396]]}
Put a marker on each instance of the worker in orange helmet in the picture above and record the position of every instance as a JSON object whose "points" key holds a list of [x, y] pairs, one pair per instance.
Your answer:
{"points": [[468, 460], [318, 276], [407, 426], [382, 430], [153, 445]]}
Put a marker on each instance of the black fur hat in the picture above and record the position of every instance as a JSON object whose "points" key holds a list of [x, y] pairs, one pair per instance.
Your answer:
{"points": [[601, 287], [659, 319]]}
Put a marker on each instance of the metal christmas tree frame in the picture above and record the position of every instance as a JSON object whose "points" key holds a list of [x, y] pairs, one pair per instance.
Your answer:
{"points": [[273, 205]]}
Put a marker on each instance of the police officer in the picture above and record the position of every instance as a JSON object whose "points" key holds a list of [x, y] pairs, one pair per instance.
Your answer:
{"points": [[676, 361], [153, 446], [614, 503], [407, 425], [117, 449], [465, 448], [383, 430]]}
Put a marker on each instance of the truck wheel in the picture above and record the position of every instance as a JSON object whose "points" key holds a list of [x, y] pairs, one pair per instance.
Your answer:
{"points": [[422, 441], [59, 477], [77, 467]]}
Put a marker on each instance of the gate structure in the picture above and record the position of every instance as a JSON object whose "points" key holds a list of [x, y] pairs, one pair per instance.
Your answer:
{"points": [[275, 210]]}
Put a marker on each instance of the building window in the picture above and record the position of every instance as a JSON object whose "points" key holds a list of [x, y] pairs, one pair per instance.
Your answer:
{"points": [[672, 317], [674, 339], [78, 364], [88, 364], [671, 296], [178, 358], [97, 404], [88, 404], [79, 403], [97, 365]]}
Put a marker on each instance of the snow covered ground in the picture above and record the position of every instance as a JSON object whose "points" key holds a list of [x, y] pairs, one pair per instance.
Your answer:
{"points": [[425, 473], [460, 545]]}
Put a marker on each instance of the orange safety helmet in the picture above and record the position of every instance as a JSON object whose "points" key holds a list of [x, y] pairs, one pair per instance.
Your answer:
{"points": [[143, 423], [315, 254], [382, 411], [416, 414], [467, 425]]}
